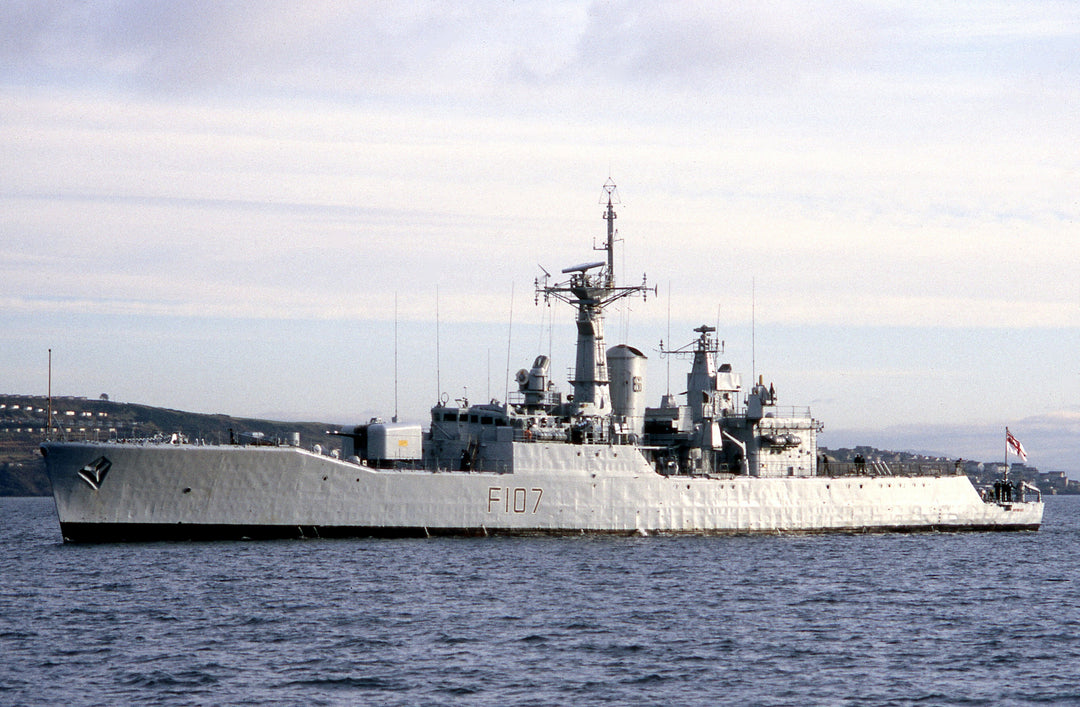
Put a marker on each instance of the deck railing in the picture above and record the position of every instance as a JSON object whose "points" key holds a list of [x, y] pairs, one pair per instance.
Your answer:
{"points": [[880, 468], [786, 411]]}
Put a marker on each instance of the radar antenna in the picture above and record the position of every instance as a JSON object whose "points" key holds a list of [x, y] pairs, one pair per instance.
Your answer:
{"points": [[705, 343]]}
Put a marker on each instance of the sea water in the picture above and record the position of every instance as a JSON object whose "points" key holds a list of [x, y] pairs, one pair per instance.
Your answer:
{"points": [[891, 619]]}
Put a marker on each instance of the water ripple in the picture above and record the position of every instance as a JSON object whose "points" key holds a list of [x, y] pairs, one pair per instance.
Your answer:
{"points": [[848, 620]]}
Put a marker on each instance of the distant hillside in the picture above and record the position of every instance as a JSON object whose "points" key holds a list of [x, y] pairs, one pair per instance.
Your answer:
{"points": [[23, 421], [982, 474]]}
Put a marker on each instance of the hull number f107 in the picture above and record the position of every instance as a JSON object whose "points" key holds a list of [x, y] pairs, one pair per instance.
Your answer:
{"points": [[513, 500]]}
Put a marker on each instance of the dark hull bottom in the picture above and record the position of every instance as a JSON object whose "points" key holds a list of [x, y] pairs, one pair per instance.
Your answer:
{"points": [[145, 532]]}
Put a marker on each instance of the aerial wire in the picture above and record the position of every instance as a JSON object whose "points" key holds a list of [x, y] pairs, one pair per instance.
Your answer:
{"points": [[395, 357], [438, 358], [509, 341], [668, 358]]}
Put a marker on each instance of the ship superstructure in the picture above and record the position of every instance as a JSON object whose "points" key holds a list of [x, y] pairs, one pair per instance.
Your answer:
{"points": [[723, 460]]}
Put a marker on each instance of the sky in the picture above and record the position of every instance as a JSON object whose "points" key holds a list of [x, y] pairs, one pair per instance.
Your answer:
{"points": [[335, 210]]}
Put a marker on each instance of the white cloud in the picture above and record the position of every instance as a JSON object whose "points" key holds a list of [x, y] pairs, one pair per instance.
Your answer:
{"points": [[704, 45], [879, 165], [832, 231]]}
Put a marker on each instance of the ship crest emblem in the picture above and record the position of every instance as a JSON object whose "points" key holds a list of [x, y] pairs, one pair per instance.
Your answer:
{"points": [[94, 472]]}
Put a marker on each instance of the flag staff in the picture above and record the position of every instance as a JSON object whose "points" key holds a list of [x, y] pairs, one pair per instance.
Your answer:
{"points": [[1003, 494], [1017, 447]]}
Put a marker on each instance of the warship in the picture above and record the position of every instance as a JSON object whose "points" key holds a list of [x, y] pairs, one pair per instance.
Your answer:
{"points": [[723, 460]]}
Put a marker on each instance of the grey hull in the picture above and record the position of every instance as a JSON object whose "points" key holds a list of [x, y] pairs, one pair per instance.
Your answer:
{"points": [[132, 492]]}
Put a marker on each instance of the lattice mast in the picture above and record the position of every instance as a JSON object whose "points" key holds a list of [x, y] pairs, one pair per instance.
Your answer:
{"points": [[590, 292], [710, 390]]}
